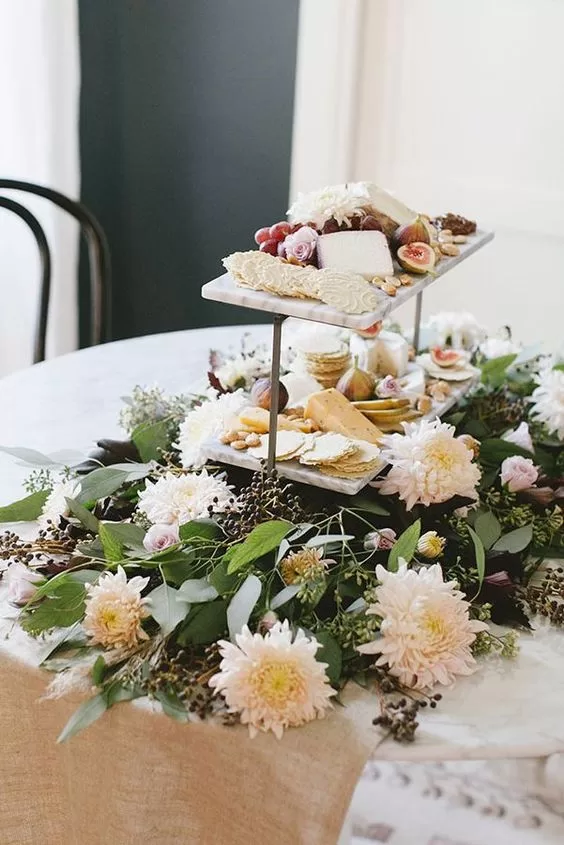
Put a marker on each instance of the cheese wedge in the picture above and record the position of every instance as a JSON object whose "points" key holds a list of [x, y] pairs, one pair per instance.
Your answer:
{"points": [[386, 354], [331, 411], [366, 253]]}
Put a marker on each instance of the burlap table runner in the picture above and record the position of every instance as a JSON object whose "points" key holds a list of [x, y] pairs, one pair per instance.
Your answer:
{"points": [[136, 776]]}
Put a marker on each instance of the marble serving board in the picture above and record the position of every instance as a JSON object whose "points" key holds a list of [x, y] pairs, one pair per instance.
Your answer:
{"points": [[224, 289], [217, 451]]}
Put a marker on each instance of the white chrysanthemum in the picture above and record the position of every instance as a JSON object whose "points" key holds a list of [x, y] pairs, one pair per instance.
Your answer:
{"points": [[459, 329], [204, 422], [272, 681], [548, 401], [177, 499], [339, 201], [426, 631], [240, 372], [428, 464], [115, 610], [56, 505], [496, 347]]}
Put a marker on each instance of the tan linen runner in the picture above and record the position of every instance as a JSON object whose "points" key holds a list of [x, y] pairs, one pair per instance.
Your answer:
{"points": [[136, 776]]}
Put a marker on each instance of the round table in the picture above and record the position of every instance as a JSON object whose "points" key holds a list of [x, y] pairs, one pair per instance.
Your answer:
{"points": [[508, 710]]}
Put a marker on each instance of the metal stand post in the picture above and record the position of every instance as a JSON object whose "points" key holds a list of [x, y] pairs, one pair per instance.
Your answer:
{"points": [[274, 389], [417, 325]]}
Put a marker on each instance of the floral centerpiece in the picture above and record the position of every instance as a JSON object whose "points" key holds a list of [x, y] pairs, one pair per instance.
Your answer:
{"points": [[250, 599]]}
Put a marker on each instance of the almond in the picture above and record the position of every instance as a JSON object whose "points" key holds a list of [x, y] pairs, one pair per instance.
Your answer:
{"points": [[450, 249]]}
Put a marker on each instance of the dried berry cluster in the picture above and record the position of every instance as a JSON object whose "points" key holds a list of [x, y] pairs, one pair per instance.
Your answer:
{"points": [[399, 712], [47, 551], [547, 597], [267, 497]]}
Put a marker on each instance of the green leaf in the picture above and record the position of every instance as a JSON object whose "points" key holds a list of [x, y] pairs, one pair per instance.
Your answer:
{"points": [[405, 546], [62, 607], [86, 714], [204, 529], [24, 510], [242, 604], [262, 540], [364, 503], [83, 514], [172, 705], [487, 528], [223, 582], [98, 671], [197, 590], [117, 693], [101, 483], [494, 451], [112, 545], [152, 439], [330, 653], [559, 367], [205, 624], [494, 370], [480, 556], [515, 541], [130, 536], [167, 608], [285, 595]]}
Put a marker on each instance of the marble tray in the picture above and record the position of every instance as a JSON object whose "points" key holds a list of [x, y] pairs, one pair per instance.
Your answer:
{"points": [[224, 289], [217, 451]]}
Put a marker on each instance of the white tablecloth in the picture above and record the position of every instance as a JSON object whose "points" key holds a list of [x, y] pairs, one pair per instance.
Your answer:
{"points": [[508, 711]]}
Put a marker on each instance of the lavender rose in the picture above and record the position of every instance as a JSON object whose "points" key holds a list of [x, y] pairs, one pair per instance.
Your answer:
{"points": [[22, 583], [301, 245], [160, 537], [518, 473]]}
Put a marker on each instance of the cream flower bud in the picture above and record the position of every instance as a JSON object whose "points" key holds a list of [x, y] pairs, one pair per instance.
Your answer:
{"points": [[430, 544], [471, 443], [268, 621]]}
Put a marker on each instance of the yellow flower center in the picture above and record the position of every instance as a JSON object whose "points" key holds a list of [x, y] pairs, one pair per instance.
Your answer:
{"points": [[109, 617], [434, 624], [277, 683]]}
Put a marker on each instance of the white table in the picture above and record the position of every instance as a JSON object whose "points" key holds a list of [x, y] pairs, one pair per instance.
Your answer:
{"points": [[508, 711]]}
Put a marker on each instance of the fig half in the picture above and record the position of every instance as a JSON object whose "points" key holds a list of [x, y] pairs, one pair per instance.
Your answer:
{"points": [[414, 232], [445, 357], [417, 257]]}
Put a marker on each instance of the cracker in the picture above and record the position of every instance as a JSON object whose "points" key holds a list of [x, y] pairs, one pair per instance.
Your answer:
{"points": [[327, 449], [288, 444], [347, 292]]}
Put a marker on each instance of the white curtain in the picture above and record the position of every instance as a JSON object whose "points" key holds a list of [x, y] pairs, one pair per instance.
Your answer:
{"points": [[39, 101]]}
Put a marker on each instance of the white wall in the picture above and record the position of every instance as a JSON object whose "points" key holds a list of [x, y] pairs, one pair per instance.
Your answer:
{"points": [[460, 106]]}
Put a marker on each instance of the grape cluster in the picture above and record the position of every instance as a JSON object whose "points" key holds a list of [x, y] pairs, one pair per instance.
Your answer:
{"points": [[266, 497], [271, 239]]}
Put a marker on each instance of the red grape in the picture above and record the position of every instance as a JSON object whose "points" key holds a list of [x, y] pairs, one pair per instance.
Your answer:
{"points": [[330, 226], [370, 222], [262, 235], [270, 246], [355, 222], [281, 249], [279, 231]]}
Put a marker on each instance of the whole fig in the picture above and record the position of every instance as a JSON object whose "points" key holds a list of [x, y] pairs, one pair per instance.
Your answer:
{"points": [[356, 384], [414, 232], [261, 394]]}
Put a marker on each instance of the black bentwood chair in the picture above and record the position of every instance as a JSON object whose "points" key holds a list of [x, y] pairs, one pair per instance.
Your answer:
{"points": [[98, 259]]}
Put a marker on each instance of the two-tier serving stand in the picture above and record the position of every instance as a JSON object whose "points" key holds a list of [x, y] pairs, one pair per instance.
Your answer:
{"points": [[224, 289]]}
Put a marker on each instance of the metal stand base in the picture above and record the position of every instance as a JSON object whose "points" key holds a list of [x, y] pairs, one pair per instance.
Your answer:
{"points": [[274, 390]]}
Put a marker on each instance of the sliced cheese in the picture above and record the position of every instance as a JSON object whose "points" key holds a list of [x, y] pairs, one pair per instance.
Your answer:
{"points": [[257, 420], [366, 253], [386, 354], [331, 411]]}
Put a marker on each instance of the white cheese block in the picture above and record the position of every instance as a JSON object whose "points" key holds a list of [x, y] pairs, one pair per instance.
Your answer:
{"points": [[300, 387], [366, 253], [389, 205], [386, 354]]}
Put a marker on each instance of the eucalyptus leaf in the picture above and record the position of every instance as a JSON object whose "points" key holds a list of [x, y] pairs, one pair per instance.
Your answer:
{"points": [[83, 514], [29, 456], [405, 546], [197, 590], [152, 439], [263, 539], [205, 624], [330, 653], [359, 604], [300, 530], [494, 370], [283, 549], [284, 596], [98, 671], [167, 607], [172, 706], [515, 541], [117, 693], [480, 556], [487, 528], [101, 483], [82, 718], [242, 604], [24, 510], [363, 503], [323, 539]]}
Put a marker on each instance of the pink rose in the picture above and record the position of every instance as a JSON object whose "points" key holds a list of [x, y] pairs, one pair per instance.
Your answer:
{"points": [[518, 473], [388, 388], [21, 583], [301, 245], [381, 540], [160, 537]]}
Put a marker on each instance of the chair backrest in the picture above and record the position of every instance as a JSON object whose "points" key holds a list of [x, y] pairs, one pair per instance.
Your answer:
{"points": [[98, 259]]}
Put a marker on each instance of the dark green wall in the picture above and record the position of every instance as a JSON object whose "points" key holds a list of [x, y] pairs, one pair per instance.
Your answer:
{"points": [[186, 119]]}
